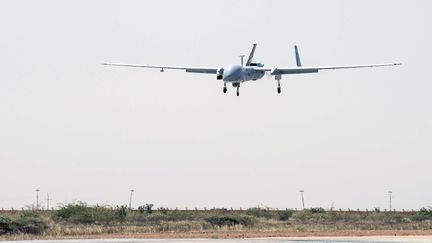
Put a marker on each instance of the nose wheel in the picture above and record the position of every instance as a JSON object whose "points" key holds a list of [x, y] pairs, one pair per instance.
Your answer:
{"points": [[225, 89]]}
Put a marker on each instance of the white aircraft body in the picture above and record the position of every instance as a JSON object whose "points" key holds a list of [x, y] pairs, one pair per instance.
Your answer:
{"points": [[251, 71]]}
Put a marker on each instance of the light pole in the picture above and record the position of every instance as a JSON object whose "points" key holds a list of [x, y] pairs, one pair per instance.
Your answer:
{"points": [[130, 199], [48, 199], [302, 197], [37, 198], [390, 200]]}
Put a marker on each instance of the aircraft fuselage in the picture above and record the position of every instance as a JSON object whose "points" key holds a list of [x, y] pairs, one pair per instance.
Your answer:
{"points": [[237, 74]]}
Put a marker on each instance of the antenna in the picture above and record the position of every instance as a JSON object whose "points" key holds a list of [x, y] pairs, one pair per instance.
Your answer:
{"points": [[241, 59]]}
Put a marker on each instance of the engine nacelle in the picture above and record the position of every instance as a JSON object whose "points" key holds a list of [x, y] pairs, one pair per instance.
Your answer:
{"points": [[219, 74]]}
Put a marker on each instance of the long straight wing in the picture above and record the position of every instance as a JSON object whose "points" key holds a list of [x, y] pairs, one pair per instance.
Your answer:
{"points": [[210, 70], [298, 70]]}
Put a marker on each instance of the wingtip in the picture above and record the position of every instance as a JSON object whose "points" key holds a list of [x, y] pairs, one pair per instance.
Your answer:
{"points": [[398, 64]]}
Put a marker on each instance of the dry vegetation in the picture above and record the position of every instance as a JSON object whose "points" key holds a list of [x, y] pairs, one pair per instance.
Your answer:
{"points": [[75, 220]]}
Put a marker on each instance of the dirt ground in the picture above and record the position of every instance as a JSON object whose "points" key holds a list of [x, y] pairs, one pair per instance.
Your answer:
{"points": [[384, 234]]}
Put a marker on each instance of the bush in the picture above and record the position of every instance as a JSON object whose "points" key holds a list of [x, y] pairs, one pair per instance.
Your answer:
{"points": [[285, 215], [77, 213], [25, 224], [423, 214], [154, 217], [177, 215], [148, 208], [163, 210], [121, 212], [7, 225], [259, 213], [83, 214], [317, 210], [230, 220], [31, 225], [386, 217]]}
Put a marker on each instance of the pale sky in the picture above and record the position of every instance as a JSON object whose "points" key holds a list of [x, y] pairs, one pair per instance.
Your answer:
{"points": [[82, 131]]}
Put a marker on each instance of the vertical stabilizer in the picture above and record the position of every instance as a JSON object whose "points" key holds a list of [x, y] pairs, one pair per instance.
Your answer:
{"points": [[249, 60], [297, 57]]}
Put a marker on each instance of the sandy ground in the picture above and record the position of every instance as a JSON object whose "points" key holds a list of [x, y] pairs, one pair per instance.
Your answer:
{"points": [[366, 239], [368, 236]]}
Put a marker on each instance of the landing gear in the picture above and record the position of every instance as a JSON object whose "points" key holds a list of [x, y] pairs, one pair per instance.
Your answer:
{"points": [[225, 88], [278, 79], [237, 85]]}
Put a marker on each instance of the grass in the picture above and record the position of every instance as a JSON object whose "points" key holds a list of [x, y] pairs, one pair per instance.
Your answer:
{"points": [[81, 219]]}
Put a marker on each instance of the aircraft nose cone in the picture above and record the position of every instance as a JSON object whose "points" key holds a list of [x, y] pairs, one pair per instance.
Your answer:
{"points": [[232, 73]]}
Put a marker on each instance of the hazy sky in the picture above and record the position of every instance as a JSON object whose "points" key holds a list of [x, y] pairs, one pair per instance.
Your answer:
{"points": [[82, 131]]}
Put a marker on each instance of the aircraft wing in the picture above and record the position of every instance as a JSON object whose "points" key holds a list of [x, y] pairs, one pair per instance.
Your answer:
{"points": [[210, 70], [298, 70]]}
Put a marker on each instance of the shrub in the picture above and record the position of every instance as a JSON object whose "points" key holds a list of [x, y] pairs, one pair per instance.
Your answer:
{"points": [[317, 210], [77, 213], [121, 212], [25, 224], [230, 220], [83, 214], [163, 210], [154, 217], [423, 214], [7, 225], [259, 212], [386, 217], [302, 216], [285, 215], [177, 215], [147, 208], [31, 225]]}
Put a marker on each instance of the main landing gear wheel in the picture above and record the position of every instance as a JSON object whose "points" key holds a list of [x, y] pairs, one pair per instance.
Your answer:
{"points": [[278, 79], [238, 92], [225, 89]]}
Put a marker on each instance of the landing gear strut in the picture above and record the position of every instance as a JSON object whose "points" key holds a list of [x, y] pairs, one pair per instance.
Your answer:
{"points": [[237, 85], [278, 79], [225, 88]]}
